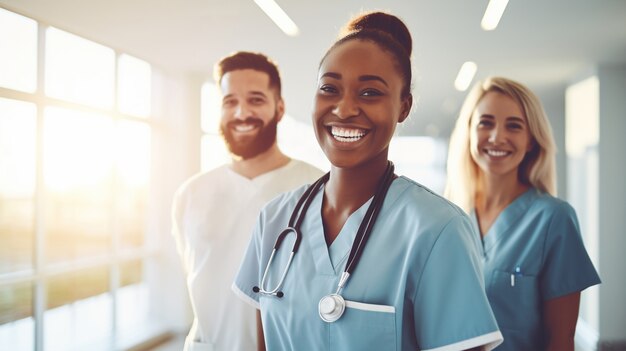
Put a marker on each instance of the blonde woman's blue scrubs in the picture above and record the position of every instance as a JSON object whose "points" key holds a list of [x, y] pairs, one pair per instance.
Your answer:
{"points": [[533, 252], [417, 286]]}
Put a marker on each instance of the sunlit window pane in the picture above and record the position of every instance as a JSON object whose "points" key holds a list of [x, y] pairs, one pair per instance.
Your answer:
{"points": [[134, 86], [79, 311], [210, 108], [17, 184], [133, 171], [213, 152], [78, 162], [16, 317], [18, 48], [79, 70], [132, 297]]}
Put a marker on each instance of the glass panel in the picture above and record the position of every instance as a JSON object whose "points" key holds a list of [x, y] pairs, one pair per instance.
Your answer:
{"points": [[133, 314], [210, 108], [18, 36], [78, 162], [18, 45], [133, 170], [79, 70], [134, 86], [17, 184], [17, 326], [79, 311], [214, 152]]}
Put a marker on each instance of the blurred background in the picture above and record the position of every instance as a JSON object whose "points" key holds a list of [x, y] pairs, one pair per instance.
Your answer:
{"points": [[107, 106]]}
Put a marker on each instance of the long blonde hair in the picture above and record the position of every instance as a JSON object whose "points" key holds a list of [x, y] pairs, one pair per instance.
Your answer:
{"points": [[538, 168]]}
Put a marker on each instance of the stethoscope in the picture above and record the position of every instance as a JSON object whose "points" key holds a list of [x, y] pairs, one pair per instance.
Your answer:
{"points": [[331, 307]]}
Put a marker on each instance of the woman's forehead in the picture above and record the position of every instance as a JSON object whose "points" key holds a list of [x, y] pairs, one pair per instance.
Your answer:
{"points": [[358, 55]]}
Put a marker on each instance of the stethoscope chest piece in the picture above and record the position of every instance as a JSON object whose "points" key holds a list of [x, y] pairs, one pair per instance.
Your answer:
{"points": [[331, 307]]}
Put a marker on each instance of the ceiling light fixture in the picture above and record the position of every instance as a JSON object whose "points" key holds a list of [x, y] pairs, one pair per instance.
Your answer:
{"points": [[465, 76], [276, 14], [493, 13]]}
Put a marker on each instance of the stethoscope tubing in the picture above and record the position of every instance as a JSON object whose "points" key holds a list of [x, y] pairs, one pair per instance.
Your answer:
{"points": [[331, 307]]}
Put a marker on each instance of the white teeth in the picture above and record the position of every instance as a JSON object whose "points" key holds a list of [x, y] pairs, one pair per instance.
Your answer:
{"points": [[244, 127], [347, 135], [497, 153]]}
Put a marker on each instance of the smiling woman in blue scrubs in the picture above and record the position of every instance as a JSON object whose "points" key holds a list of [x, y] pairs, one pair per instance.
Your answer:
{"points": [[501, 170], [415, 281]]}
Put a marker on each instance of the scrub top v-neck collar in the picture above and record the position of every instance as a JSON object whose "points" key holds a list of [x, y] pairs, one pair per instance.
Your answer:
{"points": [[330, 260], [505, 220]]}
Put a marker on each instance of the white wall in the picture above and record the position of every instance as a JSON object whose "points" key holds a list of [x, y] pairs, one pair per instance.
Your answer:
{"points": [[612, 209]]}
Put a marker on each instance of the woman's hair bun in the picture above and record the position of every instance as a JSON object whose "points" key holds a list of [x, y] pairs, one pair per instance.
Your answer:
{"points": [[380, 21]]}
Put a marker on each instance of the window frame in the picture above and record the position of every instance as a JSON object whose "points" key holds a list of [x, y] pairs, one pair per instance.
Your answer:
{"points": [[118, 255]]}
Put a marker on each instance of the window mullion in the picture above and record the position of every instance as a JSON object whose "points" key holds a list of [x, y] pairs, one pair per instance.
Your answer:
{"points": [[39, 294], [114, 277]]}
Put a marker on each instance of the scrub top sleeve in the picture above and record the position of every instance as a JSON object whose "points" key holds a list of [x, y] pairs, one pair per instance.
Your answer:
{"points": [[248, 275], [567, 266], [451, 309]]}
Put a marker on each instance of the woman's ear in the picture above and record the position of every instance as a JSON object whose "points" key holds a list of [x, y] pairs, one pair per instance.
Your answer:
{"points": [[407, 103]]}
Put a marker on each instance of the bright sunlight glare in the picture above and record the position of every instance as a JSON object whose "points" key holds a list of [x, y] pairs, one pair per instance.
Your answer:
{"points": [[133, 153], [76, 149], [79, 70], [17, 148]]}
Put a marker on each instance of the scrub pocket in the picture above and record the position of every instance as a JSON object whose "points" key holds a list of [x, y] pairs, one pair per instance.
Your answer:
{"points": [[364, 327], [516, 300]]}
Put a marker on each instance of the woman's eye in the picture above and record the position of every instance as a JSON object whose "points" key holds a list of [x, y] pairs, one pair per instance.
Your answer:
{"points": [[485, 123], [371, 92], [515, 126], [328, 89]]}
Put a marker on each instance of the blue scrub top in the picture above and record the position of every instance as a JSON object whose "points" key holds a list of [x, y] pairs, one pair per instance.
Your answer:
{"points": [[533, 252], [417, 286]]}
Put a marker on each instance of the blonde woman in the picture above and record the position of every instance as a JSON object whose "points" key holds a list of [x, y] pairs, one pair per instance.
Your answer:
{"points": [[501, 170]]}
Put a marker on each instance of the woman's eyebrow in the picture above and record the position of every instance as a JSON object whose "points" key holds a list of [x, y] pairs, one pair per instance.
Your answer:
{"points": [[369, 77], [331, 75]]}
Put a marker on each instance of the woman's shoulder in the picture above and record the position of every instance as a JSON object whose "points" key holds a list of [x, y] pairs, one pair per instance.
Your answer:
{"points": [[547, 204], [422, 199], [285, 199], [423, 214]]}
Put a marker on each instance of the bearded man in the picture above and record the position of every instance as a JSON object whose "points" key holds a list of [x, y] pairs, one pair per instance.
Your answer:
{"points": [[214, 212]]}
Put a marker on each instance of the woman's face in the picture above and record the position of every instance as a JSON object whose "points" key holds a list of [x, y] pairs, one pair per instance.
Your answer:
{"points": [[358, 103], [499, 135]]}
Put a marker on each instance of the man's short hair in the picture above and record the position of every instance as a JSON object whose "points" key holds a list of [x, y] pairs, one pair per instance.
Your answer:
{"points": [[248, 60]]}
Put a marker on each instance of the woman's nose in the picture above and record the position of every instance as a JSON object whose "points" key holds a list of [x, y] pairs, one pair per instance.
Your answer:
{"points": [[496, 135], [346, 107]]}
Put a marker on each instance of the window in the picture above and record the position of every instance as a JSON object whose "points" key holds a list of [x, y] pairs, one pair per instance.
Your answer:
{"points": [[582, 135], [75, 155], [18, 36]]}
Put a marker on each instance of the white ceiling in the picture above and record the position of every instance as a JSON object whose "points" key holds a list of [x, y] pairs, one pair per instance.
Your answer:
{"points": [[543, 43]]}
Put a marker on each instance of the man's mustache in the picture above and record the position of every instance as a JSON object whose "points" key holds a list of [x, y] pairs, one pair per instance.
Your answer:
{"points": [[249, 120]]}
